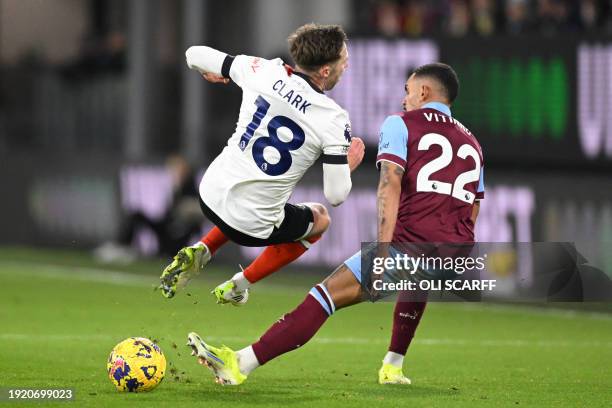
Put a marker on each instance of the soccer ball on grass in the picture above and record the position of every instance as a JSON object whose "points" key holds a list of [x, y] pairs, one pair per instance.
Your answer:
{"points": [[136, 364]]}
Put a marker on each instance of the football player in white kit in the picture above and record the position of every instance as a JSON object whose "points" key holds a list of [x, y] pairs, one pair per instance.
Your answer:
{"points": [[286, 123]]}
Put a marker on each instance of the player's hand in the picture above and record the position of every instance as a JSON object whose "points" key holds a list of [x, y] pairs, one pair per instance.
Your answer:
{"points": [[355, 153], [214, 78]]}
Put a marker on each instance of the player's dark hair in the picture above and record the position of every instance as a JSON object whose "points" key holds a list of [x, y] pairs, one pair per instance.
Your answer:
{"points": [[313, 45], [444, 74]]}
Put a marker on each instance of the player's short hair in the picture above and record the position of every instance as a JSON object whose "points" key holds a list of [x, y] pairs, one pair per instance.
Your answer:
{"points": [[444, 74], [314, 45]]}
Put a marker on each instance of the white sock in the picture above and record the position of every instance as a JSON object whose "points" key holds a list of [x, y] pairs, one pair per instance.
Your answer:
{"points": [[247, 361], [241, 282], [394, 359]]}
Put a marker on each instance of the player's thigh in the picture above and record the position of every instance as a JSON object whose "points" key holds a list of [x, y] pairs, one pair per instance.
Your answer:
{"points": [[297, 225], [343, 287], [321, 219]]}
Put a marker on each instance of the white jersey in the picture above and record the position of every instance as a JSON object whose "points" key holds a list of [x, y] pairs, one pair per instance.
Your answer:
{"points": [[284, 126]]}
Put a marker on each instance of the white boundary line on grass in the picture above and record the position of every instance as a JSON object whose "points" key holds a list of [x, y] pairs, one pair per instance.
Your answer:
{"points": [[97, 275], [121, 278]]}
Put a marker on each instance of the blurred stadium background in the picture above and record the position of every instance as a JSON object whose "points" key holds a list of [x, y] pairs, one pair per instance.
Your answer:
{"points": [[95, 96]]}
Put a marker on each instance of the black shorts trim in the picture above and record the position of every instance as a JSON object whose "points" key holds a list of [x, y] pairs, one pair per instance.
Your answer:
{"points": [[298, 222]]}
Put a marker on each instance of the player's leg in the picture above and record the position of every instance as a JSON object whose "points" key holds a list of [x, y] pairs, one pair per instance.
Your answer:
{"points": [[278, 255], [214, 239], [406, 317], [190, 261], [303, 226], [341, 289], [186, 264]]}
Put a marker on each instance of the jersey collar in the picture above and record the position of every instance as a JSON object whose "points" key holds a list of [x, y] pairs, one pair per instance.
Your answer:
{"points": [[308, 81], [439, 107]]}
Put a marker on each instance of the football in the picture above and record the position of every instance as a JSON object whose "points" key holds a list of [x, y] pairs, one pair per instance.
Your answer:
{"points": [[136, 364]]}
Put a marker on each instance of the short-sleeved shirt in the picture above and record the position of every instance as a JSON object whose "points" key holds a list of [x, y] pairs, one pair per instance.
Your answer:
{"points": [[285, 124], [443, 174]]}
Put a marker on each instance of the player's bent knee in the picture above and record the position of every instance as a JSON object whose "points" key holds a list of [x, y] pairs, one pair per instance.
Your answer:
{"points": [[321, 217], [343, 288]]}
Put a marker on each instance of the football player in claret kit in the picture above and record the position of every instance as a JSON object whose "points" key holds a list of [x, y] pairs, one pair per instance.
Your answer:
{"points": [[286, 123], [431, 181]]}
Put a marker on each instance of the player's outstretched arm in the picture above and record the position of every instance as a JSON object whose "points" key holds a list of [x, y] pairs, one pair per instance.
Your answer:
{"points": [[209, 62]]}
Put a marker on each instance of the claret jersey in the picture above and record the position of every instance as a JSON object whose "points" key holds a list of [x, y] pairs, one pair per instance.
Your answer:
{"points": [[285, 124], [443, 174]]}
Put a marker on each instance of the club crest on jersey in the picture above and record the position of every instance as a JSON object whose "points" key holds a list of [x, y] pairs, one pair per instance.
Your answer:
{"points": [[347, 132]]}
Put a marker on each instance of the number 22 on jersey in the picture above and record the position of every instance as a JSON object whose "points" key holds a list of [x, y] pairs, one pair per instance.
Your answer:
{"points": [[272, 140], [457, 189]]}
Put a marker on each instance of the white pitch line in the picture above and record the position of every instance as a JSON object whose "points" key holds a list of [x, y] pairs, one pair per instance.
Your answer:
{"points": [[54, 337], [96, 275], [121, 278], [333, 340]]}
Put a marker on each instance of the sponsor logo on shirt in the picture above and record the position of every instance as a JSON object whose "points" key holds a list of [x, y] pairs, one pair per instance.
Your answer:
{"points": [[255, 64]]}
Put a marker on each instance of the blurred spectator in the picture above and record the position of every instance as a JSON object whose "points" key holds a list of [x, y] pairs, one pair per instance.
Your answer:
{"points": [[414, 13], [174, 230], [588, 15], [517, 16], [388, 18], [483, 17], [459, 18], [551, 16]]}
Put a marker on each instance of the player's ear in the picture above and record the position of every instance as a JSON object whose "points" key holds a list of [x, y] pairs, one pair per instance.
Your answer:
{"points": [[425, 92], [325, 71]]}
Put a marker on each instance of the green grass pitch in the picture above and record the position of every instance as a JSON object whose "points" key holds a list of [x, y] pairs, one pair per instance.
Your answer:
{"points": [[61, 315]]}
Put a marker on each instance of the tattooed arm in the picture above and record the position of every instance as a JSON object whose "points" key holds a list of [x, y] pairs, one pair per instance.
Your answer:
{"points": [[388, 197]]}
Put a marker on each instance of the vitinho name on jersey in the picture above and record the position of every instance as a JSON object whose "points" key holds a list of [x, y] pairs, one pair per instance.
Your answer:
{"points": [[431, 117], [292, 97]]}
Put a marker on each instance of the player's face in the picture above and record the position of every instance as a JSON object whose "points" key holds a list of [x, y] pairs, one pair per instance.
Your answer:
{"points": [[414, 95], [337, 69]]}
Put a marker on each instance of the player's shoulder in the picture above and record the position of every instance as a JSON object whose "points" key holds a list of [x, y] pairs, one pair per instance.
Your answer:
{"points": [[396, 117], [257, 64], [415, 113], [335, 108], [328, 106], [394, 123], [329, 110]]}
